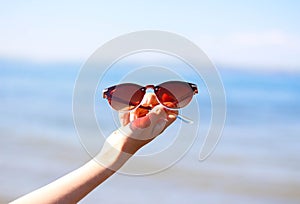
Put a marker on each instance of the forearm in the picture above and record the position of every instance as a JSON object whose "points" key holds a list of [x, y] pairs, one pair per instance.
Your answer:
{"points": [[72, 187]]}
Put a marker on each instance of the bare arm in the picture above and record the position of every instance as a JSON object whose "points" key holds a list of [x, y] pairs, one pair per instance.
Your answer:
{"points": [[118, 148]]}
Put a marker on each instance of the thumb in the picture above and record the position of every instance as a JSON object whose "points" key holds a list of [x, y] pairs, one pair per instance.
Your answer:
{"points": [[159, 127]]}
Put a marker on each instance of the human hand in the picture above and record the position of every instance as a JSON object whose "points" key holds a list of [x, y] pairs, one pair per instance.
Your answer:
{"points": [[142, 125]]}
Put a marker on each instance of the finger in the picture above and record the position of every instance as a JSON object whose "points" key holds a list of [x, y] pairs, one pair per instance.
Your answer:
{"points": [[159, 127], [158, 112], [144, 128], [139, 112], [141, 123], [171, 116], [150, 119], [124, 118]]}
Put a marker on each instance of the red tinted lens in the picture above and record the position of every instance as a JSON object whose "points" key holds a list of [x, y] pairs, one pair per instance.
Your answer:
{"points": [[174, 94], [125, 97]]}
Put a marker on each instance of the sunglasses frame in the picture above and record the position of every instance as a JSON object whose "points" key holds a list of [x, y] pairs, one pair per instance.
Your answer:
{"points": [[107, 93]]}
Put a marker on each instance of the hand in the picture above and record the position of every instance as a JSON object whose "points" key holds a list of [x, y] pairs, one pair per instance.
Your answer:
{"points": [[142, 125]]}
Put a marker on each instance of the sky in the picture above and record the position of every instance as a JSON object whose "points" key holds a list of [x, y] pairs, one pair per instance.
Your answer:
{"points": [[256, 34]]}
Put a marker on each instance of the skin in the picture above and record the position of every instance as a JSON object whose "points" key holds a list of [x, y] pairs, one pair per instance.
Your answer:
{"points": [[139, 127]]}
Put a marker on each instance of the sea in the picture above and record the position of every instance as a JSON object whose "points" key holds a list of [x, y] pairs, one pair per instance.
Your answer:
{"points": [[255, 160]]}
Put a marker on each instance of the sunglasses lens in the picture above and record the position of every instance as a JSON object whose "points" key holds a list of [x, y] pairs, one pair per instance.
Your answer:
{"points": [[125, 97], [174, 94]]}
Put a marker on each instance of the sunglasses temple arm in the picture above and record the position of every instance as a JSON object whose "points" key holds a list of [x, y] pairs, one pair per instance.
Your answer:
{"points": [[185, 119]]}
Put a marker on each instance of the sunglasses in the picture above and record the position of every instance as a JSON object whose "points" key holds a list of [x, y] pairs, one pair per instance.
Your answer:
{"points": [[171, 94]]}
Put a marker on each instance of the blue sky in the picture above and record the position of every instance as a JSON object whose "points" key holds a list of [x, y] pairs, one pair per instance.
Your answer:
{"points": [[253, 34]]}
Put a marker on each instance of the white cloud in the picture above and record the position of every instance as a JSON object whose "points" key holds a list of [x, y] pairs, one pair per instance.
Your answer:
{"points": [[267, 49], [266, 38], [270, 49]]}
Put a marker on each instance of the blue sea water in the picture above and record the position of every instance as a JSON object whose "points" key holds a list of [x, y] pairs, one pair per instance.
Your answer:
{"points": [[37, 95], [260, 141]]}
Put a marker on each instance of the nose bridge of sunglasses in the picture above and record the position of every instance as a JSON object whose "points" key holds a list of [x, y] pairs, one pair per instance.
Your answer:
{"points": [[149, 98], [148, 89]]}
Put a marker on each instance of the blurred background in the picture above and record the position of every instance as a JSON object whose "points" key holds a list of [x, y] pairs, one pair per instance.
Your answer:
{"points": [[256, 47]]}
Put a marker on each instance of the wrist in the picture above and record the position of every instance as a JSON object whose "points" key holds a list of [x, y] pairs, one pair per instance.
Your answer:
{"points": [[125, 143], [115, 151]]}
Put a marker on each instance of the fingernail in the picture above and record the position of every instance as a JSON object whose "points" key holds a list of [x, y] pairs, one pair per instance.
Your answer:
{"points": [[171, 116]]}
